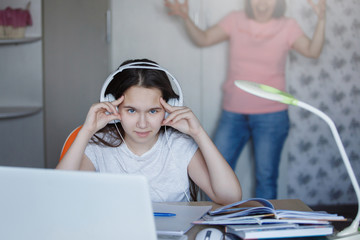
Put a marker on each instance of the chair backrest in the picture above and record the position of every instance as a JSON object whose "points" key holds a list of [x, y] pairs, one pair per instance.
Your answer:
{"points": [[69, 140]]}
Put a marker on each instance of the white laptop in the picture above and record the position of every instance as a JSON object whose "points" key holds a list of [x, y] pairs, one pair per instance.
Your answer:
{"points": [[46, 204]]}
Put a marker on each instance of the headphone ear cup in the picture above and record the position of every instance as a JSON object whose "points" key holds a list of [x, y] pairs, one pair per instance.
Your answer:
{"points": [[109, 98], [173, 102], [115, 121]]}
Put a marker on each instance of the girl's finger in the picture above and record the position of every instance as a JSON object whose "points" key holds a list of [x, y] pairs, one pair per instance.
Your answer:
{"points": [[118, 101], [109, 108], [167, 107], [177, 115]]}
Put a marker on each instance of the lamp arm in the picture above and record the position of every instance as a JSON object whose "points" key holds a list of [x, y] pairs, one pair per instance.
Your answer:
{"points": [[353, 228]]}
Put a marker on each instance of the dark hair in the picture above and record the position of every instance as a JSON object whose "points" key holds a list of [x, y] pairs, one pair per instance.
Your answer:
{"points": [[194, 189], [148, 78], [279, 10]]}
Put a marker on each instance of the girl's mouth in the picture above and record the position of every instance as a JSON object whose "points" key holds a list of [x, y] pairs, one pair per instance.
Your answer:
{"points": [[143, 134]]}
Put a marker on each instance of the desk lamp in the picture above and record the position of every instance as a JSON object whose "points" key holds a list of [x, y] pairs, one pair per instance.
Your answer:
{"points": [[264, 91]]}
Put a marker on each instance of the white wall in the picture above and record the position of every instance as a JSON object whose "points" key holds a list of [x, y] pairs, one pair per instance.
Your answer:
{"points": [[142, 29]]}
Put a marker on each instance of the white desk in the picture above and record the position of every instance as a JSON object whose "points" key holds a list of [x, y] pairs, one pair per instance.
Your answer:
{"points": [[288, 204]]}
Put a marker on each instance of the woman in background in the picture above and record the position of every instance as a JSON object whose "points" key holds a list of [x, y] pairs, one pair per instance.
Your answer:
{"points": [[260, 38]]}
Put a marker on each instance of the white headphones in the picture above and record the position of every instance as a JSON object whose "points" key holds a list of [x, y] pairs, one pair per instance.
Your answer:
{"points": [[140, 65]]}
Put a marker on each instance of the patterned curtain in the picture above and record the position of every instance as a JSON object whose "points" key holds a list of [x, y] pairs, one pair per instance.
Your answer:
{"points": [[331, 83]]}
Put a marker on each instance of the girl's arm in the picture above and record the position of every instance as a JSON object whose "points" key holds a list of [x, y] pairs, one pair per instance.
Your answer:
{"points": [[97, 118], [200, 37], [312, 47], [75, 159], [208, 168], [210, 171]]}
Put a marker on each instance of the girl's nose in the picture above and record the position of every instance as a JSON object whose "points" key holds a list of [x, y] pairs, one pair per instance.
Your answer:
{"points": [[142, 121]]}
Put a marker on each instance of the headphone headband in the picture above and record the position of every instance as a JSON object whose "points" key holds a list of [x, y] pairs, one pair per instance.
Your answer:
{"points": [[138, 65]]}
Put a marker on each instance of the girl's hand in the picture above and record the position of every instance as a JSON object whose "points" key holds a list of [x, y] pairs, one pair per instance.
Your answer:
{"points": [[177, 8], [319, 8], [182, 119], [101, 114]]}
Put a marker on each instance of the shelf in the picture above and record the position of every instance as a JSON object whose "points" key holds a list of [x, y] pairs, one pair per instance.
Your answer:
{"points": [[19, 40], [18, 112]]}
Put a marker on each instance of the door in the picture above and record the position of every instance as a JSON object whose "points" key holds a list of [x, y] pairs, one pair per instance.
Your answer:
{"points": [[76, 65]]}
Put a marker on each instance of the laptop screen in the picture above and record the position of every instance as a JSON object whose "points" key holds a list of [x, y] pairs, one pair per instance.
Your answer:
{"points": [[56, 204]]}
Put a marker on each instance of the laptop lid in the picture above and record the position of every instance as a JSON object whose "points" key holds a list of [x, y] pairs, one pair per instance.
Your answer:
{"points": [[55, 204]]}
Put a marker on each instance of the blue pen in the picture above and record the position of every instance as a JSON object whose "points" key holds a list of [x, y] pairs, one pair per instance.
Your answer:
{"points": [[163, 214]]}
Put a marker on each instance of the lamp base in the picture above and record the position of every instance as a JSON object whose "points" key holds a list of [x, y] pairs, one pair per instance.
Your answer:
{"points": [[355, 236]]}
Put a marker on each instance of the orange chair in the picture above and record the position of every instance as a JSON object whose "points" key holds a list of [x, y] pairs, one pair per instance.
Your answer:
{"points": [[69, 140]]}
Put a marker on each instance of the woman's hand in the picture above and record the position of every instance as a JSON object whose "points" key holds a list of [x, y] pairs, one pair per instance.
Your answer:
{"points": [[312, 47], [101, 114], [177, 8], [319, 8], [182, 119]]}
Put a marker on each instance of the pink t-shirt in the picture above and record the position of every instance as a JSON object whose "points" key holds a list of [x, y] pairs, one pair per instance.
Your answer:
{"points": [[258, 53]]}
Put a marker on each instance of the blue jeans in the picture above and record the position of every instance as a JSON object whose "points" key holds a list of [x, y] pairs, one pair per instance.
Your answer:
{"points": [[268, 133]]}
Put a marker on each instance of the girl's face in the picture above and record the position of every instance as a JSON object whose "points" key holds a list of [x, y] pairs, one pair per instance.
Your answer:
{"points": [[141, 117], [263, 9]]}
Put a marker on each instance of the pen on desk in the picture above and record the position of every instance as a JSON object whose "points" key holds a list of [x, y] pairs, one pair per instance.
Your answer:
{"points": [[164, 214]]}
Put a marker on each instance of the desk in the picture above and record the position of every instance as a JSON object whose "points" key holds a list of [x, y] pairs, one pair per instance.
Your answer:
{"points": [[288, 204]]}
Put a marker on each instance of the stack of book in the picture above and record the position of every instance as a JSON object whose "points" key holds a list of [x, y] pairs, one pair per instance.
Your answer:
{"points": [[264, 221]]}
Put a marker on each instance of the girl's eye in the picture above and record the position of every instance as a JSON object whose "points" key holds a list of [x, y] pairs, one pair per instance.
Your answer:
{"points": [[153, 111], [131, 110]]}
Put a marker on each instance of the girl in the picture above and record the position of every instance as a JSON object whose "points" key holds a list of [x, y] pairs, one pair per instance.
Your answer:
{"points": [[166, 150], [260, 38]]}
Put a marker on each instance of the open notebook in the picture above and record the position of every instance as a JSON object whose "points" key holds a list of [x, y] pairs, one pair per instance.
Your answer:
{"points": [[52, 204]]}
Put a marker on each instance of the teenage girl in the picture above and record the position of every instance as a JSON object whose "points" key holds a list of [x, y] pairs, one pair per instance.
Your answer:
{"points": [[130, 135]]}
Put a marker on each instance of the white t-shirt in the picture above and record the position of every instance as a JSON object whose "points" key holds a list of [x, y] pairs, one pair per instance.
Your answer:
{"points": [[164, 165]]}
